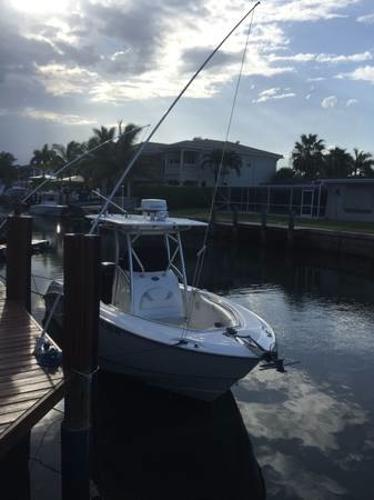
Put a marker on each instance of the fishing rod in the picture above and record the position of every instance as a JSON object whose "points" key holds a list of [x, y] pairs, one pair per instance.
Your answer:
{"points": [[164, 116], [73, 162]]}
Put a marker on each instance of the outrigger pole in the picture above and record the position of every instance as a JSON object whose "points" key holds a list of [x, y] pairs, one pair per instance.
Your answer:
{"points": [[167, 112]]}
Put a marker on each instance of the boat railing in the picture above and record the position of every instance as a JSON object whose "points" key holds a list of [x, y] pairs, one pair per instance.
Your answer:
{"points": [[121, 289]]}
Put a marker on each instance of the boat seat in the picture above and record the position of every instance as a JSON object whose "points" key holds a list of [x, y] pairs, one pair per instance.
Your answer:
{"points": [[157, 295]]}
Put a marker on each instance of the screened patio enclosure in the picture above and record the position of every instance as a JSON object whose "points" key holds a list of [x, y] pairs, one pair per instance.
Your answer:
{"points": [[304, 200]]}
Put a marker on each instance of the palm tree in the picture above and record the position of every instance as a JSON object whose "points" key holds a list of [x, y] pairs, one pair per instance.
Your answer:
{"points": [[338, 163], [8, 172], [104, 165], [284, 174], [307, 156], [230, 161], [125, 150], [68, 153], [104, 134], [98, 167], [45, 158], [363, 163]]}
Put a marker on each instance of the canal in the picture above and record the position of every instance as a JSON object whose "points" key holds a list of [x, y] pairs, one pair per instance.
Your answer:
{"points": [[312, 428]]}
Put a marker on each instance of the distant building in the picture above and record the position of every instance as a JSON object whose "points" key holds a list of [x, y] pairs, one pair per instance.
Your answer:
{"points": [[350, 199], [181, 163]]}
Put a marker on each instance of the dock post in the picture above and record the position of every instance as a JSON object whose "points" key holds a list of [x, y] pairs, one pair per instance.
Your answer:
{"points": [[18, 288], [235, 222], [291, 227], [80, 359], [19, 251], [235, 217], [263, 226]]}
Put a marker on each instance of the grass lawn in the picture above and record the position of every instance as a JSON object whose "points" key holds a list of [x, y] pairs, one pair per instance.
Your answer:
{"points": [[281, 220]]}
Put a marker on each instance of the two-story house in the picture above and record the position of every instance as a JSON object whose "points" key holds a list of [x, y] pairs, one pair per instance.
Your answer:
{"points": [[185, 163]]}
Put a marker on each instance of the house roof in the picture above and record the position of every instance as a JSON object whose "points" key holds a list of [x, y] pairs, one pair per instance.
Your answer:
{"points": [[198, 144], [209, 144]]}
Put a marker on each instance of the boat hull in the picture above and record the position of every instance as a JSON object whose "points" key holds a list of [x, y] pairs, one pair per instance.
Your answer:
{"points": [[196, 374], [55, 210], [48, 210], [200, 375]]}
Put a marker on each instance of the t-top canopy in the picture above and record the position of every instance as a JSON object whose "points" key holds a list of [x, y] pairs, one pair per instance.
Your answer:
{"points": [[145, 223]]}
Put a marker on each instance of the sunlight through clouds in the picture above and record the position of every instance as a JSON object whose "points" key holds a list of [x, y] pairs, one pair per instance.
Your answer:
{"points": [[114, 53]]}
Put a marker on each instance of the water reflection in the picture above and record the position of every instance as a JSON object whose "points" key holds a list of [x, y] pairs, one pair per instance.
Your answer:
{"points": [[152, 444], [312, 429], [307, 435]]}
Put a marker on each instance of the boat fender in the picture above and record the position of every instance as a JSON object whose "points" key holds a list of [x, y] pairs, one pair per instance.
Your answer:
{"points": [[181, 342], [46, 355], [231, 331]]}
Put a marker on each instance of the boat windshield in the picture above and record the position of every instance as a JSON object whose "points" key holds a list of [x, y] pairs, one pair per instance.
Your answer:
{"points": [[151, 252]]}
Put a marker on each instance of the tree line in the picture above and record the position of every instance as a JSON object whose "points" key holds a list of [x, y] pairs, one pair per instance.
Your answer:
{"points": [[98, 168], [102, 167], [312, 160]]}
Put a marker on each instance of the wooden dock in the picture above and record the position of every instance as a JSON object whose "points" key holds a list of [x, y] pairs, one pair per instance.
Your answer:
{"points": [[27, 391]]}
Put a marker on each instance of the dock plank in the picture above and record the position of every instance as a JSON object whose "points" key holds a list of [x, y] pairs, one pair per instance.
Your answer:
{"points": [[23, 405], [27, 391]]}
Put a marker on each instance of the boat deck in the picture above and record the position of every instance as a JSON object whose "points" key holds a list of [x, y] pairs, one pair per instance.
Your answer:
{"points": [[27, 391]]}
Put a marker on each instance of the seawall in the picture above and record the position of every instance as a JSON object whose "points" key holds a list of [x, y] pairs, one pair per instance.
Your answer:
{"points": [[301, 238]]}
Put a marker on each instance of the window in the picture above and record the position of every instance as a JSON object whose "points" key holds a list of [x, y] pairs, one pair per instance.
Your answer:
{"points": [[190, 157]]}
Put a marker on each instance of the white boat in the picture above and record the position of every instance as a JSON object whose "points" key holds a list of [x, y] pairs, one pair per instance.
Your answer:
{"points": [[153, 325], [49, 205]]}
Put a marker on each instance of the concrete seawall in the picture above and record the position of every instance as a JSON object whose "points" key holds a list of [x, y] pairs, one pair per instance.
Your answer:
{"points": [[325, 240]]}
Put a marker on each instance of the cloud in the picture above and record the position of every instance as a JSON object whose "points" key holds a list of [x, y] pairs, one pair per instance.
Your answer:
{"points": [[311, 416], [305, 403], [304, 10], [59, 79], [107, 49], [367, 19], [364, 73], [275, 93], [329, 102], [59, 118], [111, 50], [351, 102], [325, 58], [193, 57]]}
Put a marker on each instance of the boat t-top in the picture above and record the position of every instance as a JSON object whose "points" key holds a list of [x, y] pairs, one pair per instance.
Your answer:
{"points": [[156, 327]]}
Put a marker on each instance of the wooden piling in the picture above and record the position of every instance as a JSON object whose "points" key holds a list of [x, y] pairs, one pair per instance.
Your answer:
{"points": [[80, 361], [18, 288], [290, 231], [19, 251], [263, 226], [234, 222]]}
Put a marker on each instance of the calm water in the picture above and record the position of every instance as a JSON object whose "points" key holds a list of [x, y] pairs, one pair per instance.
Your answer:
{"points": [[312, 429]]}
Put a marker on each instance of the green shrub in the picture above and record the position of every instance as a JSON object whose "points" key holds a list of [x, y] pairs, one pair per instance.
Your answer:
{"points": [[177, 197]]}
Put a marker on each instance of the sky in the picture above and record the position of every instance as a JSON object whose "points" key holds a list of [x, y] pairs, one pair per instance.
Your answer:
{"points": [[67, 67]]}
